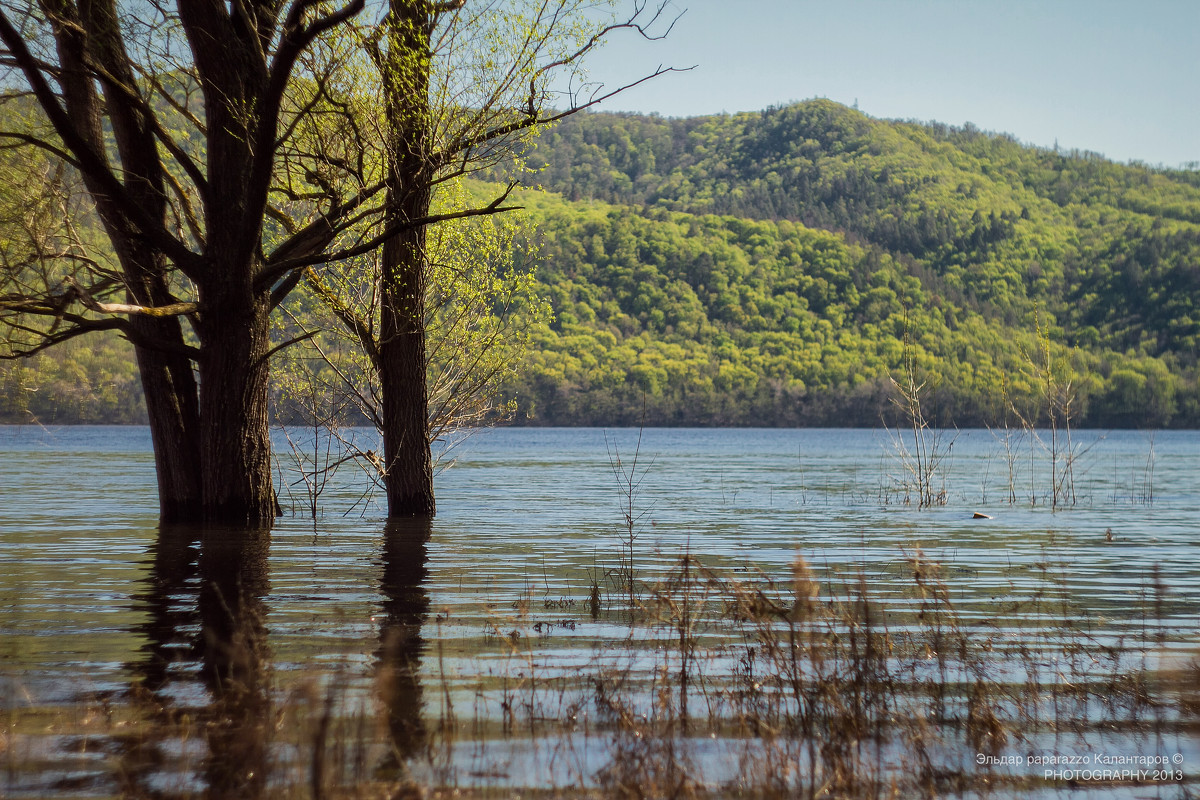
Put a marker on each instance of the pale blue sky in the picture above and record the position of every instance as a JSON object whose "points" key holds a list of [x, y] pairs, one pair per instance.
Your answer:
{"points": [[1118, 78]]}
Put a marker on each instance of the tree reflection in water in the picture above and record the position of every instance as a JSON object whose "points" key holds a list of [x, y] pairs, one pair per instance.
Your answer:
{"points": [[168, 656], [234, 656], [405, 606], [205, 618], [170, 602], [204, 671]]}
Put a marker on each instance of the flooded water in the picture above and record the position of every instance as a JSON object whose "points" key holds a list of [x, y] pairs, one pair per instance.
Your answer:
{"points": [[134, 661]]}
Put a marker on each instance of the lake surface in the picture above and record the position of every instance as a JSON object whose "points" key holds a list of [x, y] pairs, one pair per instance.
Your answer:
{"points": [[98, 611]]}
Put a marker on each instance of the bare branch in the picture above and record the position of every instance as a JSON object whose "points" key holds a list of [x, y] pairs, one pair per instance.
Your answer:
{"points": [[357, 324], [296, 37], [80, 326], [278, 269], [53, 338], [41, 144], [88, 301], [463, 146], [286, 344], [86, 159]]}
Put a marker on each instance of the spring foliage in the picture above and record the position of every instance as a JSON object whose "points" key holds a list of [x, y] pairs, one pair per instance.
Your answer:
{"points": [[759, 268], [482, 304]]}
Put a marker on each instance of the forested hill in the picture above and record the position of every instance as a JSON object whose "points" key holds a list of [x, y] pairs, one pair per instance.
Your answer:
{"points": [[775, 268], [764, 268], [995, 223]]}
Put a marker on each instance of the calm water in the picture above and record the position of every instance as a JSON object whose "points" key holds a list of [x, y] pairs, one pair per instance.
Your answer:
{"points": [[93, 602]]}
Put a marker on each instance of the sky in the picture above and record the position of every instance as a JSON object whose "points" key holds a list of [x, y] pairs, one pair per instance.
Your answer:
{"points": [[1118, 78]]}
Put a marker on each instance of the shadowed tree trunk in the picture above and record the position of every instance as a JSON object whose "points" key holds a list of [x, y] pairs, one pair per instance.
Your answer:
{"points": [[233, 326], [235, 446], [172, 412], [166, 373], [408, 464]]}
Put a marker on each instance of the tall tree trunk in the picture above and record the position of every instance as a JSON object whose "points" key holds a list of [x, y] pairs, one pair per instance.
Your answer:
{"points": [[402, 357], [235, 446], [233, 325], [402, 374], [168, 382]]}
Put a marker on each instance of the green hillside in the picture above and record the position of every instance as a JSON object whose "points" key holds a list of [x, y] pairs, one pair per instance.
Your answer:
{"points": [[769, 269], [760, 269], [996, 224]]}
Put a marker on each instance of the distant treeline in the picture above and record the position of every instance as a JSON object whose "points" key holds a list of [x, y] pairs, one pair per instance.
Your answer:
{"points": [[776, 268]]}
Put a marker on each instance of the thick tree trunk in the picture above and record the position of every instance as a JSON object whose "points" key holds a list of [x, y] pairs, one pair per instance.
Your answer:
{"points": [[173, 414], [402, 374], [233, 326], [402, 357], [235, 446], [166, 373]]}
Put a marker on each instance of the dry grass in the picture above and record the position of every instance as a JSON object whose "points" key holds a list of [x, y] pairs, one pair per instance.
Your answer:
{"points": [[724, 685]]}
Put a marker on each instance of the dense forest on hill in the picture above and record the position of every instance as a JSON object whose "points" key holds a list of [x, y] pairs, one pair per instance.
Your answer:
{"points": [[767, 267], [775, 268]]}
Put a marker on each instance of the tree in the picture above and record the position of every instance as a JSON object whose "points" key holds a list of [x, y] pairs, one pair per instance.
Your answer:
{"points": [[183, 212], [222, 162], [464, 86], [44, 266], [185, 126], [481, 304]]}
